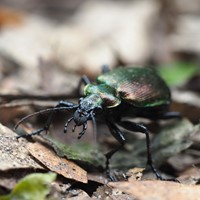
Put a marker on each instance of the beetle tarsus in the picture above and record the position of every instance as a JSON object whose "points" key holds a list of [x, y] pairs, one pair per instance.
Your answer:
{"points": [[111, 176], [154, 170], [81, 134], [73, 129]]}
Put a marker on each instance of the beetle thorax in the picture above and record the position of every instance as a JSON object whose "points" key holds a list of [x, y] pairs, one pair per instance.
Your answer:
{"points": [[109, 96]]}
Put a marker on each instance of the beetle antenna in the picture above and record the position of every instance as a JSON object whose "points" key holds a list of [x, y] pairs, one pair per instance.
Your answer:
{"points": [[39, 112]]}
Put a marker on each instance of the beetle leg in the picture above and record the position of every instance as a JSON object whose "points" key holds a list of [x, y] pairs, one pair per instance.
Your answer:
{"points": [[66, 104], [142, 129], [83, 131], [36, 132], [119, 136], [73, 129], [84, 80], [170, 115], [67, 123], [105, 69]]}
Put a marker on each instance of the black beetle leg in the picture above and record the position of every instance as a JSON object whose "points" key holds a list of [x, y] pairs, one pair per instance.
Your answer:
{"points": [[36, 132], [105, 69], [84, 80], [119, 136], [141, 128], [67, 123], [83, 131], [170, 115], [66, 104], [165, 116]]}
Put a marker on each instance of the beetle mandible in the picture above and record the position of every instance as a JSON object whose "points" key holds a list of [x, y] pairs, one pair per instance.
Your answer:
{"points": [[121, 92]]}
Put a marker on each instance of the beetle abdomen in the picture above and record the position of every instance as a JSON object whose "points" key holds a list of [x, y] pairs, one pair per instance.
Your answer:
{"points": [[141, 87], [143, 95]]}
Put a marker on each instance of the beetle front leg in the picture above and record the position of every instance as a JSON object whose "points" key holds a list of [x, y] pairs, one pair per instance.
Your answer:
{"points": [[142, 129], [119, 136], [61, 104]]}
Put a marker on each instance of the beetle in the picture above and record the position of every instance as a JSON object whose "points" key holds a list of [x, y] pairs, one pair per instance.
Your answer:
{"points": [[117, 94]]}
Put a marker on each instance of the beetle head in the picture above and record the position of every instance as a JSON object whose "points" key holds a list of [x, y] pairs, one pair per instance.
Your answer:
{"points": [[86, 110]]}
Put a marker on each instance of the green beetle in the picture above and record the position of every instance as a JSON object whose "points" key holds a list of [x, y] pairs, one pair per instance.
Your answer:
{"points": [[122, 92]]}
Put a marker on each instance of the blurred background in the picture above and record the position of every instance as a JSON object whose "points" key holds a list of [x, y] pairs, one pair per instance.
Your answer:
{"points": [[80, 36]]}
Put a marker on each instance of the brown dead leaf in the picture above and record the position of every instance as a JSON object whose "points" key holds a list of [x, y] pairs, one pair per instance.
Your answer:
{"points": [[106, 192], [59, 165], [190, 176], [13, 152], [159, 190], [79, 195], [97, 178]]}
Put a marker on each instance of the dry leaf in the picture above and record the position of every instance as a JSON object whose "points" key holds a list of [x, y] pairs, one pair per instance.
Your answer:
{"points": [[190, 176], [13, 152], [59, 165], [106, 192], [158, 190]]}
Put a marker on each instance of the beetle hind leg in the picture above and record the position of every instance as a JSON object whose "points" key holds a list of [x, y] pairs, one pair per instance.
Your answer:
{"points": [[142, 129], [171, 115], [105, 69]]}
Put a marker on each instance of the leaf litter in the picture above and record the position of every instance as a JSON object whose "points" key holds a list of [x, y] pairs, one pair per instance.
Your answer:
{"points": [[159, 190], [14, 154], [175, 134], [57, 164]]}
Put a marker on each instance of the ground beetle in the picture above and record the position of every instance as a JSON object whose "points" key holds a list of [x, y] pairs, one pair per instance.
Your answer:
{"points": [[122, 92]]}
